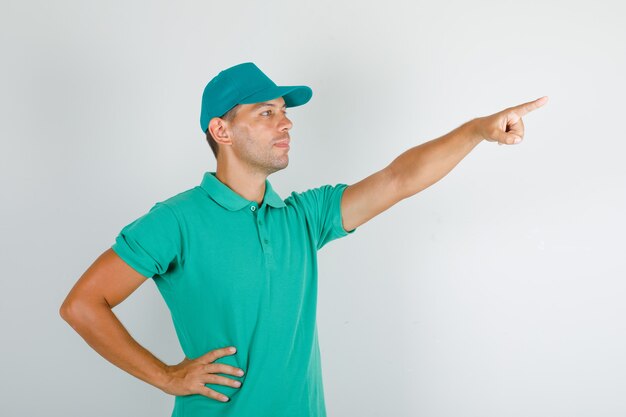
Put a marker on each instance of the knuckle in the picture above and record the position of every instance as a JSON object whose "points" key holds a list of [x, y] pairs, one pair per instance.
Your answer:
{"points": [[212, 368], [210, 379], [227, 369]]}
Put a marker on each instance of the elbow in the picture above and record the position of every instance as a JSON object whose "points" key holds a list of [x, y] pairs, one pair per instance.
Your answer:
{"points": [[67, 311], [76, 311], [63, 312]]}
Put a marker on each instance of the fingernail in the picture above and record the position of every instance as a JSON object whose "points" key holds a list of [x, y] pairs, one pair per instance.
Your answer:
{"points": [[233, 349], [517, 140]]}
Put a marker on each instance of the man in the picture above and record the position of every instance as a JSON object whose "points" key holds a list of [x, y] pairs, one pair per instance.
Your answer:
{"points": [[237, 265]]}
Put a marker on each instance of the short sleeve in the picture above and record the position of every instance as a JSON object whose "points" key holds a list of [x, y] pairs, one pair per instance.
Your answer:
{"points": [[322, 207], [151, 243]]}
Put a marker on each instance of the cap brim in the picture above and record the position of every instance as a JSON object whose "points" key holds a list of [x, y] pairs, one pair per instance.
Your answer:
{"points": [[294, 95]]}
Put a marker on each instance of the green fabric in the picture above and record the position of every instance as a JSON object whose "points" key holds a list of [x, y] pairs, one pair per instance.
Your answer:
{"points": [[234, 272]]}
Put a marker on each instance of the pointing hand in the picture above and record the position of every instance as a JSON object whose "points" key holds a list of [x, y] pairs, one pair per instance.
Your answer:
{"points": [[506, 127]]}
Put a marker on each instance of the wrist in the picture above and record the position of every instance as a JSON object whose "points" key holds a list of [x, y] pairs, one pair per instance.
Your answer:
{"points": [[475, 130], [164, 378]]}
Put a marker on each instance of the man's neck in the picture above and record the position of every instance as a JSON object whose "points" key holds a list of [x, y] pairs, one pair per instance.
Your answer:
{"points": [[248, 184]]}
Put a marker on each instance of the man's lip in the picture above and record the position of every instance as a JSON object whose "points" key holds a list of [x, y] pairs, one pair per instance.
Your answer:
{"points": [[282, 144]]}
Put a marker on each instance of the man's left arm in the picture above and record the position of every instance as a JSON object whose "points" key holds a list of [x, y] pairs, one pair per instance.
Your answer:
{"points": [[421, 166]]}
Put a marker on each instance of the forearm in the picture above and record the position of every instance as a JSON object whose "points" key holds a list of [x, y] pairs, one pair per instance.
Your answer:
{"points": [[101, 329], [423, 165]]}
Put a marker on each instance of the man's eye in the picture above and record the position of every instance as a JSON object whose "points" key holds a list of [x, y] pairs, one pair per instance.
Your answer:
{"points": [[269, 111]]}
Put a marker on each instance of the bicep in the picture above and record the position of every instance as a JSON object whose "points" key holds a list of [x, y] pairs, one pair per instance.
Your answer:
{"points": [[108, 280], [369, 197]]}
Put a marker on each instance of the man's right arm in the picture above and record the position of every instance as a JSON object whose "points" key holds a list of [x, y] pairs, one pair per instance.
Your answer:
{"points": [[88, 309]]}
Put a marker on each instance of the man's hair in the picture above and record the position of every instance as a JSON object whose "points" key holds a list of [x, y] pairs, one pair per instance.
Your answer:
{"points": [[228, 116]]}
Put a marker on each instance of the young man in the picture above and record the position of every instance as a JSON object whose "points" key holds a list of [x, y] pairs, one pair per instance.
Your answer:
{"points": [[237, 265]]}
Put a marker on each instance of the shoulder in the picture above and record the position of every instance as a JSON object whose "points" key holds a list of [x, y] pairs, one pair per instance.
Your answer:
{"points": [[315, 195], [183, 204], [184, 201]]}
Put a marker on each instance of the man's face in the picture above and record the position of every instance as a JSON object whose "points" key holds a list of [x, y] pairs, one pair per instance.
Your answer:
{"points": [[261, 135]]}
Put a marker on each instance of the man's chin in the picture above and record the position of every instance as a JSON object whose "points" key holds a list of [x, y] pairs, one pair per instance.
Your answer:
{"points": [[279, 166], [283, 166]]}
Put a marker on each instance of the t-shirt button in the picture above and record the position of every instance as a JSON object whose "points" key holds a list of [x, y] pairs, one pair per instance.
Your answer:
{"points": [[252, 208], [267, 241]]}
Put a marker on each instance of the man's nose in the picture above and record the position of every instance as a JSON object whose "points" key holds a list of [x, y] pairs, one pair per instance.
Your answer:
{"points": [[286, 124]]}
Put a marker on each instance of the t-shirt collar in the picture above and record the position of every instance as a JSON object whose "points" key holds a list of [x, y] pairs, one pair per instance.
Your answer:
{"points": [[230, 200]]}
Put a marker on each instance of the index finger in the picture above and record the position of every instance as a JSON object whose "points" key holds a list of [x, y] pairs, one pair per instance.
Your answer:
{"points": [[524, 109]]}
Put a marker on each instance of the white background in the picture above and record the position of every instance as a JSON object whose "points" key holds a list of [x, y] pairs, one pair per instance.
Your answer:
{"points": [[498, 291]]}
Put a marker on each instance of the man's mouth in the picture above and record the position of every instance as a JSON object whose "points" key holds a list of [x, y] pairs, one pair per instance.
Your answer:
{"points": [[283, 144]]}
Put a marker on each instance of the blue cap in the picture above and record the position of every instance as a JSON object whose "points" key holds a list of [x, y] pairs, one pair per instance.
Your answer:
{"points": [[244, 84]]}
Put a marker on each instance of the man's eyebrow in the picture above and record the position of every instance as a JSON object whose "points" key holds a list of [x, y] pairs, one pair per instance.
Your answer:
{"points": [[258, 105]]}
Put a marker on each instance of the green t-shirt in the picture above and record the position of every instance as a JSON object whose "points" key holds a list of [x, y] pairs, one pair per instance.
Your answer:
{"points": [[233, 272]]}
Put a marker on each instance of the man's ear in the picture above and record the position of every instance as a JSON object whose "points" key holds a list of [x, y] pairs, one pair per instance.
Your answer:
{"points": [[220, 130]]}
